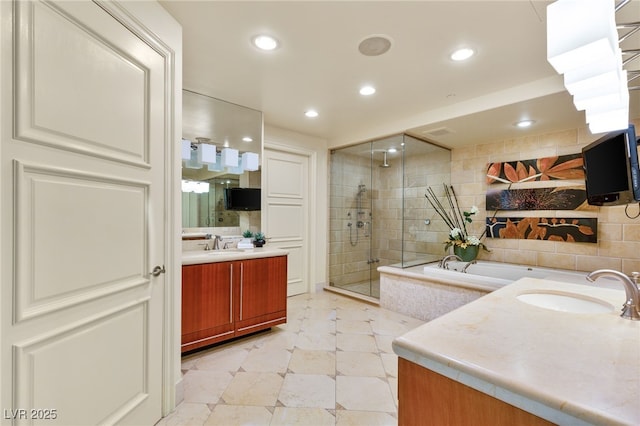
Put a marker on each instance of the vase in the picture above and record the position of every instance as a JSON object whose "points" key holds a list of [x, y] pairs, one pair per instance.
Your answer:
{"points": [[466, 254]]}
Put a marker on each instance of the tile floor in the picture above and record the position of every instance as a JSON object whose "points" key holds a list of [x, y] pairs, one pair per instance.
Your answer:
{"points": [[331, 364]]}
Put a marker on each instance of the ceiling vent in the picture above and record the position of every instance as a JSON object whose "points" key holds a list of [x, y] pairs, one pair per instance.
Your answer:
{"points": [[440, 131]]}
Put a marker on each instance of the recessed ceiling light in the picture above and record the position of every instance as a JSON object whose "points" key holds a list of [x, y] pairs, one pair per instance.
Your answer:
{"points": [[247, 139], [367, 90], [265, 42], [462, 54], [392, 150], [524, 123], [311, 113]]}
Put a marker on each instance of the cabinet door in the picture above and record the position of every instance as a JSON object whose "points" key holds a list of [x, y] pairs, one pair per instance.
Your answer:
{"points": [[207, 304], [262, 293]]}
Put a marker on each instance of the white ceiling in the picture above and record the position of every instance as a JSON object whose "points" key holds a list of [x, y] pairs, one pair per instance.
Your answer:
{"points": [[419, 89]]}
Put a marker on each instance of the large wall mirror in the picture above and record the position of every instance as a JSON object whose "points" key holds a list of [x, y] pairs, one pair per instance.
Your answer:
{"points": [[224, 125]]}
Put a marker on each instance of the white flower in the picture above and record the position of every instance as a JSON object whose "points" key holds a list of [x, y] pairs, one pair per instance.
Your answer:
{"points": [[474, 241], [455, 233], [474, 210]]}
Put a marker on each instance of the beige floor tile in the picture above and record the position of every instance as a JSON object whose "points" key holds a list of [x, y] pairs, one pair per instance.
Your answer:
{"points": [[251, 388], [390, 364], [389, 327], [277, 339], [356, 342], [364, 393], [384, 343], [323, 313], [186, 414], [267, 359], [225, 359], [353, 313], [189, 361], [316, 341], [205, 386], [360, 418], [223, 415], [308, 390], [334, 352], [393, 385], [354, 327], [292, 325], [302, 416], [313, 362], [359, 364], [318, 326]]}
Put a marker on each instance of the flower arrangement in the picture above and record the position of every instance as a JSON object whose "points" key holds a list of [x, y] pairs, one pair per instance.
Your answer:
{"points": [[455, 219]]}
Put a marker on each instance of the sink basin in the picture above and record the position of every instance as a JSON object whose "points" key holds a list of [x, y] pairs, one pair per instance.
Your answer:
{"points": [[224, 251], [566, 302]]}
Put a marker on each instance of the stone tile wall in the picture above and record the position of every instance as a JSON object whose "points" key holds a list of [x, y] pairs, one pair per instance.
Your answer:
{"points": [[618, 244]]}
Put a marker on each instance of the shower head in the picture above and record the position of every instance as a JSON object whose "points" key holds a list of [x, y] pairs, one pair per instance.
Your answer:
{"points": [[384, 160]]}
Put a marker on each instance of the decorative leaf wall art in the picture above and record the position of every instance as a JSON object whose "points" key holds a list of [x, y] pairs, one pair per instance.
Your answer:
{"points": [[581, 230], [541, 169], [557, 198]]}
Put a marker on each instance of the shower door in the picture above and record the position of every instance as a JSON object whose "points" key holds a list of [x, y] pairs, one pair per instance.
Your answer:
{"points": [[363, 204]]}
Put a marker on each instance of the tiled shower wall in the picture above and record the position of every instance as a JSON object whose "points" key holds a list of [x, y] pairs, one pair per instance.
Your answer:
{"points": [[618, 236]]}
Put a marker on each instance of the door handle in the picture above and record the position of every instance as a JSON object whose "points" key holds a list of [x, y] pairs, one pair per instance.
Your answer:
{"points": [[158, 270]]}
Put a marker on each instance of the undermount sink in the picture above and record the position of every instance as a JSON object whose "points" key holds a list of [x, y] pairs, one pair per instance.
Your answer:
{"points": [[566, 302], [224, 251]]}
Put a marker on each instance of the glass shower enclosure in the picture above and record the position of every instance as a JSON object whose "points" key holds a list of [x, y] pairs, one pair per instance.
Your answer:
{"points": [[378, 212]]}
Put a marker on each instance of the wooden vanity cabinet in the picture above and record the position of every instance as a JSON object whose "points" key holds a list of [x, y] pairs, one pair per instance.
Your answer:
{"points": [[207, 304], [427, 398], [262, 294], [228, 299]]}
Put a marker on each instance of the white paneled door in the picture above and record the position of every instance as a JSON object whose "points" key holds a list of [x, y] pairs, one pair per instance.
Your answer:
{"points": [[287, 196], [86, 106]]}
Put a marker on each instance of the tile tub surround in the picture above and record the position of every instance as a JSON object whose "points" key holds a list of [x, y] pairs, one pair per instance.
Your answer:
{"points": [[331, 364], [566, 368], [411, 292]]}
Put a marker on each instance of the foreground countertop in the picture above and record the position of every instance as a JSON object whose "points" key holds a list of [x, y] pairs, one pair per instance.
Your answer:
{"points": [[567, 368], [212, 256]]}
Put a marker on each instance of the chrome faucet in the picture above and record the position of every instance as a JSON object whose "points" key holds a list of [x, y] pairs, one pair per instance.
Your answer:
{"points": [[464, 269], [447, 259], [216, 242], [631, 306]]}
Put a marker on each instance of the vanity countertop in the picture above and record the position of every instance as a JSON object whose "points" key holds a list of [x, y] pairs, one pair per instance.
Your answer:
{"points": [[568, 368], [211, 256]]}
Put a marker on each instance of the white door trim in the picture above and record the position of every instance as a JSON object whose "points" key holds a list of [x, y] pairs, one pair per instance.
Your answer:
{"points": [[165, 35]]}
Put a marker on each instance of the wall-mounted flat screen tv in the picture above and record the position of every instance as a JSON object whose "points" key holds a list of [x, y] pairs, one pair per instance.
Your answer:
{"points": [[244, 199], [611, 169]]}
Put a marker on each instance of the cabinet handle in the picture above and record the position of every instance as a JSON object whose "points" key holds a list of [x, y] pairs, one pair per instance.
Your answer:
{"points": [[231, 294], [241, 285]]}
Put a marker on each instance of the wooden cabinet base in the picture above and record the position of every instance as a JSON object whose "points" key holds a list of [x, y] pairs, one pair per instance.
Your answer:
{"points": [[224, 300], [427, 398]]}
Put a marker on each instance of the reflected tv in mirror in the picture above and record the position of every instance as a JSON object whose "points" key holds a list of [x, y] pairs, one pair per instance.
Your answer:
{"points": [[243, 199], [611, 169]]}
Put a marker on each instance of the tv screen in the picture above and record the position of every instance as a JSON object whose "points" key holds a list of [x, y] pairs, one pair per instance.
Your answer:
{"points": [[611, 169], [244, 199]]}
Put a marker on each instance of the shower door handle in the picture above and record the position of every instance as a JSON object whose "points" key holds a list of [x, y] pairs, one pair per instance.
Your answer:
{"points": [[366, 228]]}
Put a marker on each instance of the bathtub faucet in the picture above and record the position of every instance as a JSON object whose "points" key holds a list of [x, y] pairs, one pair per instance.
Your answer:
{"points": [[631, 306], [447, 259], [464, 268]]}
